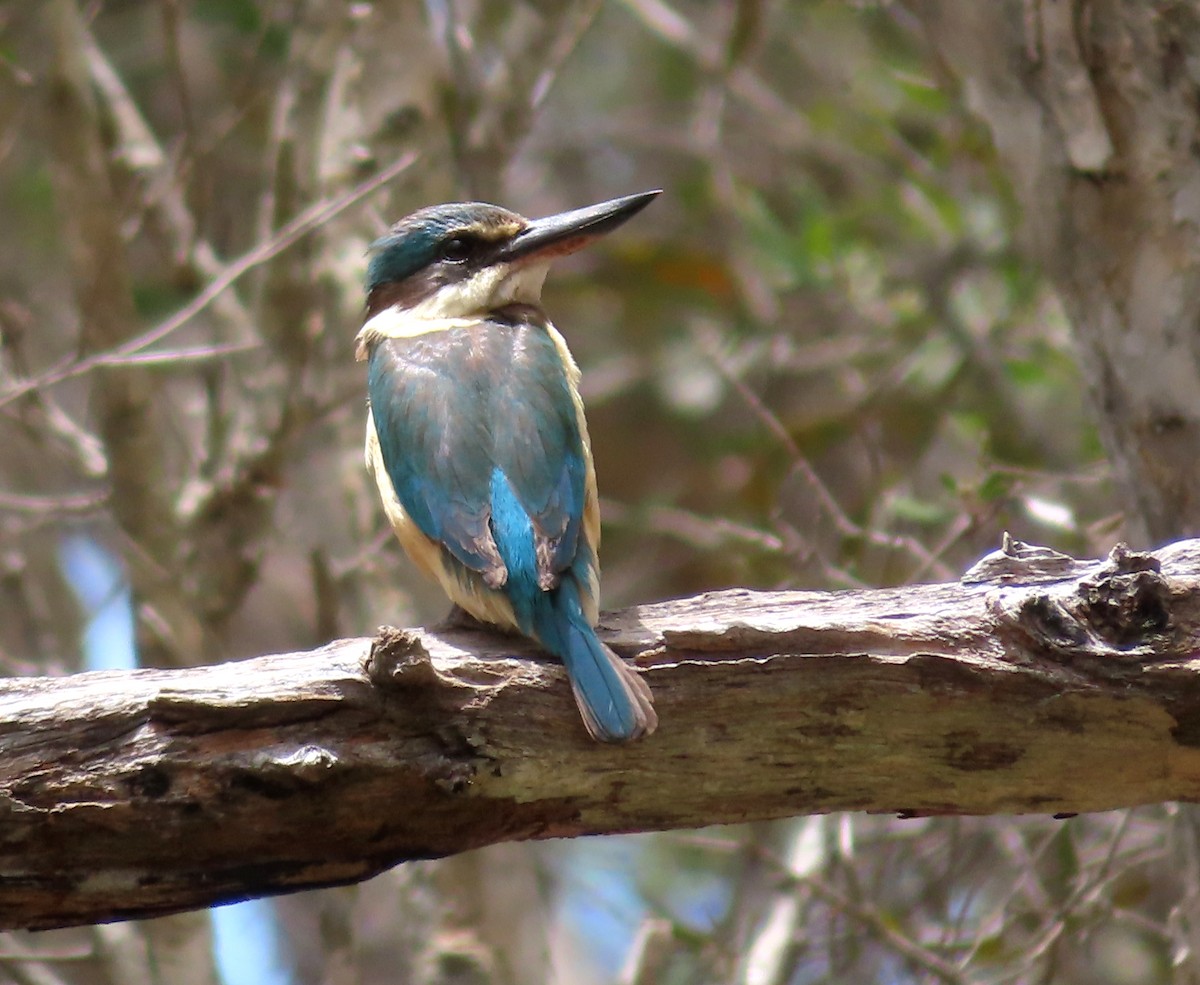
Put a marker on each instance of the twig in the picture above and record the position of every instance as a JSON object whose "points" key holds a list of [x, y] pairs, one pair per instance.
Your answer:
{"points": [[887, 932], [706, 532], [306, 222], [194, 354], [43, 505], [124, 400], [709, 344]]}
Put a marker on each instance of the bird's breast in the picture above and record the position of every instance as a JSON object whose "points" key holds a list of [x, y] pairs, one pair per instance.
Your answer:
{"points": [[456, 408]]}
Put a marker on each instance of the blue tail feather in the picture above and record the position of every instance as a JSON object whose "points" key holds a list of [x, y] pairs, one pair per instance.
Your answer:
{"points": [[614, 701]]}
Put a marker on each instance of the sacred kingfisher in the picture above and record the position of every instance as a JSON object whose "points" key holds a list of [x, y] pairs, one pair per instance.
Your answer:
{"points": [[476, 435]]}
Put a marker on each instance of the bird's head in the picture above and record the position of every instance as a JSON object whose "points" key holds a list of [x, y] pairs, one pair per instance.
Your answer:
{"points": [[469, 258]]}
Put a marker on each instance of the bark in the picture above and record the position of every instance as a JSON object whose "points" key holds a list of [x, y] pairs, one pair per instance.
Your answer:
{"points": [[1035, 684], [1092, 108]]}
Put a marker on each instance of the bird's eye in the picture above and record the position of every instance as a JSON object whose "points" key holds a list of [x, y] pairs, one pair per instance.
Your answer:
{"points": [[456, 249]]}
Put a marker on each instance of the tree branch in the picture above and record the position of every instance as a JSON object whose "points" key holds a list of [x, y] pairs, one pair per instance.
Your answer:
{"points": [[1036, 684]]}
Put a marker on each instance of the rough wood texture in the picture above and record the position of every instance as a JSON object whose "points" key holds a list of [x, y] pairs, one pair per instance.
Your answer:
{"points": [[1037, 683]]}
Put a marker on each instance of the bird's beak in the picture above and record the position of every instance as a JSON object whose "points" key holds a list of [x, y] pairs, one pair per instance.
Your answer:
{"points": [[558, 235]]}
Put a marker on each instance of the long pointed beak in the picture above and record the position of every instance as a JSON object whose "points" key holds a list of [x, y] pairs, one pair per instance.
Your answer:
{"points": [[566, 232]]}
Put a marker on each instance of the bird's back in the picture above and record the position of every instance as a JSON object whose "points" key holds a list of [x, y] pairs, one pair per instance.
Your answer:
{"points": [[458, 408]]}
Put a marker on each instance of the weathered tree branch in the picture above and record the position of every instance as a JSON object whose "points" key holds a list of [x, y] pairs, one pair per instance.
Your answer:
{"points": [[1036, 684]]}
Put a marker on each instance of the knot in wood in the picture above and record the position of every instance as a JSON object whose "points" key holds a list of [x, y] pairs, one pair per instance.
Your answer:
{"points": [[1121, 560], [1048, 622], [1123, 607], [309, 762], [398, 659], [281, 775]]}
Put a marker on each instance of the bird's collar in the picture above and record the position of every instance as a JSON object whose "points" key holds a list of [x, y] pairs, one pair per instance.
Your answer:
{"points": [[396, 323]]}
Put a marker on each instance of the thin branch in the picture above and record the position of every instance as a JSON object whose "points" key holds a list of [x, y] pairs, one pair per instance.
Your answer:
{"points": [[702, 532], [491, 108], [140, 151], [887, 932], [52, 505], [39, 412], [709, 344], [788, 125], [310, 219], [171, 37], [125, 401], [171, 358]]}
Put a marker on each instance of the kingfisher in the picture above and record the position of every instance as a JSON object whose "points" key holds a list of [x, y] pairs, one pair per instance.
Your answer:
{"points": [[476, 436]]}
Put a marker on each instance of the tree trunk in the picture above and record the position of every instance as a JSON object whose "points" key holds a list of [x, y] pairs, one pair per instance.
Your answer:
{"points": [[1092, 108]]}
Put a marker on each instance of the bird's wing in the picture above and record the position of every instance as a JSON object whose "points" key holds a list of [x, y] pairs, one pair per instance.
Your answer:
{"points": [[457, 411]]}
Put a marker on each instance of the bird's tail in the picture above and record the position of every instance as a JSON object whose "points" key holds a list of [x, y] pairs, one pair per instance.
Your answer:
{"points": [[614, 701]]}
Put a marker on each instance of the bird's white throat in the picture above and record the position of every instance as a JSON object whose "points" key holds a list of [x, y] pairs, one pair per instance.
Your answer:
{"points": [[456, 305]]}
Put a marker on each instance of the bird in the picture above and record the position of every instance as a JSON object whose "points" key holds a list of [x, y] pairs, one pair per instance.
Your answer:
{"points": [[476, 435]]}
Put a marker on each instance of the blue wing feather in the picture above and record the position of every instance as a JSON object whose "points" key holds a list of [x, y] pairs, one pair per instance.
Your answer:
{"points": [[454, 408]]}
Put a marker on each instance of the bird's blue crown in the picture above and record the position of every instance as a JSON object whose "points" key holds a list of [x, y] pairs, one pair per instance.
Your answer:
{"points": [[415, 242]]}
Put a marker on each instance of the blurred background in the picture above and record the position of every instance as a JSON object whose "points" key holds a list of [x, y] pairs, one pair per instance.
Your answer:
{"points": [[821, 359]]}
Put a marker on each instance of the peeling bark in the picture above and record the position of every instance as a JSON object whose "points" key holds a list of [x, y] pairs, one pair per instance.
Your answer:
{"points": [[1036, 684]]}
